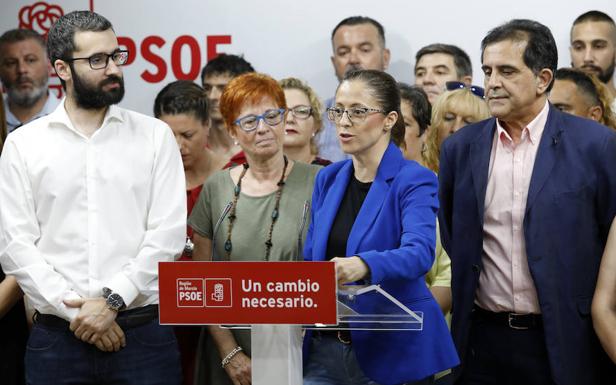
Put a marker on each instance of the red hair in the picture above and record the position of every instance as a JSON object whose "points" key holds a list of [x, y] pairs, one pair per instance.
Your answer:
{"points": [[248, 88]]}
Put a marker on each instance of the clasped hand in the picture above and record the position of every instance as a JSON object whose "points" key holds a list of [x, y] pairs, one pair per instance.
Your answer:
{"points": [[95, 324]]}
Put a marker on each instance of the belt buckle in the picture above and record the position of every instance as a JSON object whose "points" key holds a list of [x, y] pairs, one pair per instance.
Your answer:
{"points": [[339, 335], [511, 317]]}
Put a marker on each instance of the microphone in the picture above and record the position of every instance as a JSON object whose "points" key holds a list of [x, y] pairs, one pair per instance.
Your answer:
{"points": [[305, 211], [225, 211]]}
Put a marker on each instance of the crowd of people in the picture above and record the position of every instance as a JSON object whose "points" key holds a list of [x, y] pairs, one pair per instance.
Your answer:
{"points": [[489, 209]]}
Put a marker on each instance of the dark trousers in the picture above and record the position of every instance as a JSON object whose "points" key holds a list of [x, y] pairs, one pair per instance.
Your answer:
{"points": [[500, 355], [55, 356]]}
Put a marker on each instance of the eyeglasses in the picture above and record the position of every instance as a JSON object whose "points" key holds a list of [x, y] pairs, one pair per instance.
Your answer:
{"points": [[251, 122], [476, 90], [355, 114], [301, 112], [100, 61]]}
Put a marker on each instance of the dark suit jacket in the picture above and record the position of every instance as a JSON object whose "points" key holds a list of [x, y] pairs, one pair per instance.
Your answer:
{"points": [[394, 233], [571, 204]]}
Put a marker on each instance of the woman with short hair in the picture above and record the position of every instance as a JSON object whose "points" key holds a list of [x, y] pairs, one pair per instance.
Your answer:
{"points": [[453, 110], [303, 122], [261, 208]]}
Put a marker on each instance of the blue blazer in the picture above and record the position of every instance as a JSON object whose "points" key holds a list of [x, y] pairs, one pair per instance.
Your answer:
{"points": [[570, 206], [394, 233]]}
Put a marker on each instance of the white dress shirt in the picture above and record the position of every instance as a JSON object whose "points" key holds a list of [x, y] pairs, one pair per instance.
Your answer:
{"points": [[78, 214]]}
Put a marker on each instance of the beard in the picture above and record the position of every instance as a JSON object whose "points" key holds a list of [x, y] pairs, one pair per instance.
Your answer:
{"points": [[93, 97], [352, 67], [605, 75], [26, 98]]}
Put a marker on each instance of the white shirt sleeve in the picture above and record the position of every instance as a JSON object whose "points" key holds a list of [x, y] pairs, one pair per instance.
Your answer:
{"points": [[19, 233], [166, 223]]}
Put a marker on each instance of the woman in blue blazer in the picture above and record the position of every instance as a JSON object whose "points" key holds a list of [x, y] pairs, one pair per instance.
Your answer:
{"points": [[375, 216]]}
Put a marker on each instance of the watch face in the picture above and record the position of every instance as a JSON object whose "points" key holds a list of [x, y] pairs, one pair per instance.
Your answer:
{"points": [[115, 301]]}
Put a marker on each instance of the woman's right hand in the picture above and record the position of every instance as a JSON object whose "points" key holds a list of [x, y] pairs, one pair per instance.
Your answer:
{"points": [[239, 369]]}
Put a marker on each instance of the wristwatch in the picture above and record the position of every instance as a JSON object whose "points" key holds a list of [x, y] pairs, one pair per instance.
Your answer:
{"points": [[115, 301]]}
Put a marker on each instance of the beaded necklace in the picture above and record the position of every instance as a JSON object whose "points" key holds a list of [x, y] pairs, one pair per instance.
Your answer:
{"points": [[232, 216]]}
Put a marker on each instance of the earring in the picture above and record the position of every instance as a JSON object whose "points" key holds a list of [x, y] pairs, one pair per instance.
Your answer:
{"points": [[314, 134]]}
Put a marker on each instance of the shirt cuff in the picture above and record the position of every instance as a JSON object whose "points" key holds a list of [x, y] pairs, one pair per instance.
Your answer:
{"points": [[124, 287], [69, 312]]}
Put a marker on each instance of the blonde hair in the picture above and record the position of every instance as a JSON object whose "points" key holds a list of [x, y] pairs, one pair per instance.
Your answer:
{"points": [[315, 104], [608, 116], [462, 100]]}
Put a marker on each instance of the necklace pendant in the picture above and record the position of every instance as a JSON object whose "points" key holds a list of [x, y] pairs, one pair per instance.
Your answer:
{"points": [[228, 246]]}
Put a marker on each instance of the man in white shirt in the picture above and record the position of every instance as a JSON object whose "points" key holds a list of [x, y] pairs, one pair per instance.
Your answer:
{"points": [[92, 199], [24, 72]]}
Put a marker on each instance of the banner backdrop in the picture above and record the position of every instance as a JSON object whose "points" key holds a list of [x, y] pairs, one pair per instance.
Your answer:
{"points": [[172, 40]]}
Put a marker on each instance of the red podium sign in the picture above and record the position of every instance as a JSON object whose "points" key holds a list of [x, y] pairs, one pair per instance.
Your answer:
{"points": [[245, 293]]}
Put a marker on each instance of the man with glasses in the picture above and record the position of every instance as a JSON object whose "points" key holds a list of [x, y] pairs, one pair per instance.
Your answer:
{"points": [[24, 72], [593, 47], [358, 42], [437, 64], [92, 199]]}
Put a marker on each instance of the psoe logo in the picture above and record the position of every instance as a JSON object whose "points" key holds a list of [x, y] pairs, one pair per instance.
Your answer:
{"points": [[218, 292], [190, 292], [39, 16]]}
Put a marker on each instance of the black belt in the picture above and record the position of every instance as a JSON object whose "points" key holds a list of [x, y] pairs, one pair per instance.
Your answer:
{"points": [[127, 319], [343, 336], [512, 320]]}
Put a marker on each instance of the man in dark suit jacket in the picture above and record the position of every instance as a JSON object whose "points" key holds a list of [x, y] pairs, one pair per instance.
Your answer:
{"points": [[527, 199]]}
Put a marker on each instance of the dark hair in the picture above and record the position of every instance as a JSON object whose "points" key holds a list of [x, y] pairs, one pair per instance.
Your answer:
{"points": [[357, 20], [182, 97], [17, 35], [540, 51], [582, 81], [226, 64], [61, 36], [593, 16], [384, 89], [420, 105], [593, 90], [460, 58]]}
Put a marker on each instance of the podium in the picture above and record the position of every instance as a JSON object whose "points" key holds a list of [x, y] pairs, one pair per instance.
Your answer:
{"points": [[276, 301]]}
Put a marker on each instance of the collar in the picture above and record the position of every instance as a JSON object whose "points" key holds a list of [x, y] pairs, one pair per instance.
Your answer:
{"points": [[60, 117], [50, 105], [533, 130]]}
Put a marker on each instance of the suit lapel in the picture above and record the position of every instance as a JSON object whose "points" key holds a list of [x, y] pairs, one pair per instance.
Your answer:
{"points": [[480, 152], [330, 206], [546, 156], [388, 168]]}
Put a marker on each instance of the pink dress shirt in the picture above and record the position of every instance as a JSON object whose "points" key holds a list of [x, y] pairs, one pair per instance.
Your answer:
{"points": [[505, 283]]}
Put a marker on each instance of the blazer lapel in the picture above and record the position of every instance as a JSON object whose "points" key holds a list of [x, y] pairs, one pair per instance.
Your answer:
{"points": [[546, 156], [480, 152], [388, 168], [329, 208]]}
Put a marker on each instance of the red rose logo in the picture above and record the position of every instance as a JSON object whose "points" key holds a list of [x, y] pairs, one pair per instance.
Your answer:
{"points": [[39, 16]]}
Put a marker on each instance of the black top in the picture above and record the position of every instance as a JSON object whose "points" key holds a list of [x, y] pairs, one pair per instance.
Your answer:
{"points": [[351, 203]]}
